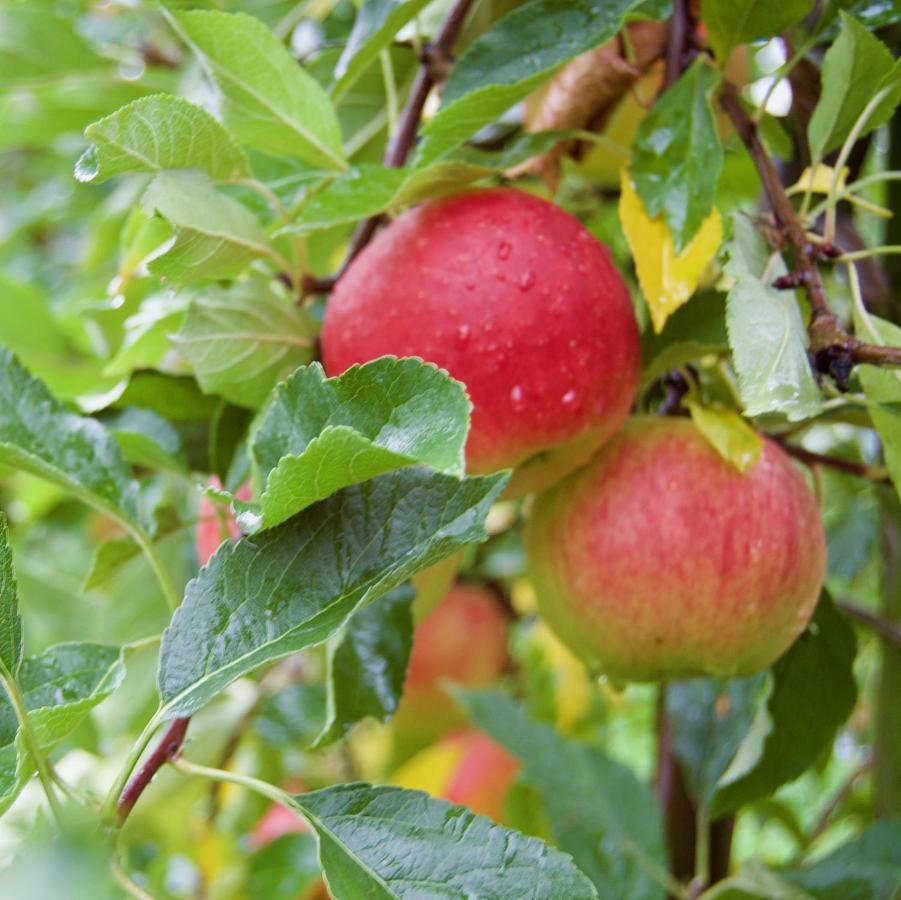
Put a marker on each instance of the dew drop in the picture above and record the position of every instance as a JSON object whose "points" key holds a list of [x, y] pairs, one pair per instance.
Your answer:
{"points": [[526, 280], [569, 398], [516, 397], [463, 335]]}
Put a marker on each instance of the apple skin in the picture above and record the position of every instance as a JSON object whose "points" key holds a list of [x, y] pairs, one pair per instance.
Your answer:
{"points": [[463, 640], [660, 560], [513, 297]]}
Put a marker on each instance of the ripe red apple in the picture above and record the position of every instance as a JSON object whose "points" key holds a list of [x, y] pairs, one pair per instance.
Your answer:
{"points": [[513, 297], [660, 560], [462, 640], [276, 821]]}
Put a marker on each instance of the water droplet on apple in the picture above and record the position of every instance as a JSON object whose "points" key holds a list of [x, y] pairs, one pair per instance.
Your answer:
{"points": [[463, 335], [503, 250], [570, 399], [526, 280], [516, 397]]}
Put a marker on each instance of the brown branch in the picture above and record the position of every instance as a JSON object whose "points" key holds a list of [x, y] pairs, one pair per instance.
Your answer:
{"points": [[434, 65], [679, 46], [808, 457], [167, 749], [835, 351], [886, 629]]}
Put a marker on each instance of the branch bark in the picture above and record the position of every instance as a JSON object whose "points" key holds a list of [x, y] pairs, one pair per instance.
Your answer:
{"points": [[808, 457], [885, 628]]}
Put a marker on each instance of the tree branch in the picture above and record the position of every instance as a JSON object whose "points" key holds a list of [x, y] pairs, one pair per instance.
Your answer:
{"points": [[835, 351], [886, 629], [167, 749], [435, 64], [808, 457], [678, 49]]}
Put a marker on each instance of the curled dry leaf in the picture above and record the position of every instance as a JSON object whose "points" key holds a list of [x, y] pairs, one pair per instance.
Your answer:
{"points": [[585, 92]]}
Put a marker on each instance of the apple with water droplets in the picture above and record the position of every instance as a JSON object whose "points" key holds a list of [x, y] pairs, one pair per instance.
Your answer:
{"points": [[517, 300], [660, 560]]}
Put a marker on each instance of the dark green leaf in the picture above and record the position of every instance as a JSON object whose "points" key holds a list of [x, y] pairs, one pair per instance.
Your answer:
{"points": [[730, 23], [599, 811], [319, 435], [511, 59], [856, 68], [268, 100], [10, 620], [677, 156], [294, 715], [242, 340], [39, 435], [709, 719], [813, 692], [297, 584], [160, 132], [386, 842], [367, 664]]}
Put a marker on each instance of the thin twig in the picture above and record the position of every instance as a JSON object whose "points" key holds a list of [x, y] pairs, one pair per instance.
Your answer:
{"points": [[822, 822], [834, 349], [680, 28], [890, 631], [167, 749], [808, 457]]}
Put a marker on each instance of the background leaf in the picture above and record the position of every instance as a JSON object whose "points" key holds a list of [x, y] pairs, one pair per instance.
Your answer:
{"points": [[389, 842], [268, 100], [598, 810], [367, 664], [729, 23], [10, 620], [297, 584], [243, 339], [160, 132]]}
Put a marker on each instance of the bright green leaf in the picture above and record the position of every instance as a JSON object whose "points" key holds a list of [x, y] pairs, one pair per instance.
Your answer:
{"points": [[268, 100], [242, 340], [386, 842], [160, 132], [677, 156], [729, 23], [319, 435], [728, 433], [297, 584], [10, 620]]}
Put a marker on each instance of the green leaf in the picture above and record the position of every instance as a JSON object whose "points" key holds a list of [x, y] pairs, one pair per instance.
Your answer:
{"points": [[242, 340], [147, 333], [813, 692], [384, 842], [495, 73], [709, 720], [755, 882], [39, 435], [160, 132], [599, 811], [855, 68], [320, 434], [883, 388], [375, 26], [10, 620], [285, 869], [729, 23], [728, 433], [60, 687], [217, 236], [268, 101], [677, 156], [766, 334], [367, 664], [147, 439], [297, 584]]}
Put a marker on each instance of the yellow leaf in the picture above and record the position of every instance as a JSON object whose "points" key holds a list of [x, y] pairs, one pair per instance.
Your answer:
{"points": [[729, 434], [573, 688], [818, 181], [431, 769], [667, 280]]}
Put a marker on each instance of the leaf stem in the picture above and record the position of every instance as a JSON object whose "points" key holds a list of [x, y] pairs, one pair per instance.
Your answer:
{"points": [[11, 686], [885, 250], [391, 104], [108, 810], [145, 542], [246, 781]]}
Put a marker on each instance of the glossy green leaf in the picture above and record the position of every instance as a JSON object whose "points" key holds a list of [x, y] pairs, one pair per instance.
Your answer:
{"points": [[729, 23], [855, 68], [320, 434], [242, 340], [812, 693], [599, 811], [217, 236], [268, 100], [375, 26], [39, 435], [297, 584], [10, 620], [883, 388], [494, 72], [60, 687], [677, 156], [709, 719], [367, 664], [160, 132], [386, 842], [766, 333], [147, 333]]}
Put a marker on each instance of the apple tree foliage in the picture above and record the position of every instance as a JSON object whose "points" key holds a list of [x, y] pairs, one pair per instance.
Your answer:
{"points": [[178, 182]]}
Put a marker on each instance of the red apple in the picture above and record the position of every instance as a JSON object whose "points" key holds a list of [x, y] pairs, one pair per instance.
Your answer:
{"points": [[660, 560], [463, 640], [516, 299], [276, 821], [215, 523]]}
